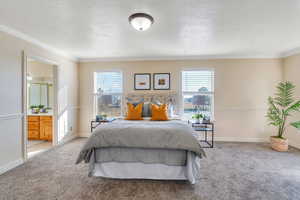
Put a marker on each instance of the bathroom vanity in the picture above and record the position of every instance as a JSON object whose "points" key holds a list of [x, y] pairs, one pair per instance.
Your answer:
{"points": [[40, 126]]}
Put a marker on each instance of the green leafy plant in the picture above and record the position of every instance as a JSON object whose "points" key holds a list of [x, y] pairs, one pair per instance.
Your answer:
{"points": [[33, 106], [282, 106], [198, 116], [41, 106]]}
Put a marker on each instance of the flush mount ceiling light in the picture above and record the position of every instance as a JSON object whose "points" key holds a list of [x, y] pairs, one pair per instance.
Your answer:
{"points": [[141, 21]]}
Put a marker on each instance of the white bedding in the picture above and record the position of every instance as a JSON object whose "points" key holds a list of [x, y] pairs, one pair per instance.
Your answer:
{"points": [[139, 170]]}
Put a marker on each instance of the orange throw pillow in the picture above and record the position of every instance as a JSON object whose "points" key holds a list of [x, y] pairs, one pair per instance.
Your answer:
{"points": [[159, 113], [134, 113]]}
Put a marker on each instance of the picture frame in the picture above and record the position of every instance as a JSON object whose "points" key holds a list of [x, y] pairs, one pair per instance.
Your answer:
{"points": [[161, 81], [142, 81]]}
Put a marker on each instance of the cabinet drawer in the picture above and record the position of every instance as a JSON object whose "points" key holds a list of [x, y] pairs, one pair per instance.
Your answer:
{"points": [[33, 118], [34, 135], [33, 125], [46, 118]]}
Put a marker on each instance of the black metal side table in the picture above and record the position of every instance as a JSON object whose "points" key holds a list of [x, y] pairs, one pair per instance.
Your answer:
{"points": [[206, 128], [95, 124]]}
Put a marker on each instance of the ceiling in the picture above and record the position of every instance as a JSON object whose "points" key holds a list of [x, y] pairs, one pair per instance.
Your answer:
{"points": [[99, 29]]}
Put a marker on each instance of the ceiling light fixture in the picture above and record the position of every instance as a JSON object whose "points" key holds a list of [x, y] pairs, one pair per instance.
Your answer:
{"points": [[141, 21]]}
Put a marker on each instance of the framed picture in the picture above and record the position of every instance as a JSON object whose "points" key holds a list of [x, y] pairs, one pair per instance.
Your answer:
{"points": [[142, 81], [161, 81]]}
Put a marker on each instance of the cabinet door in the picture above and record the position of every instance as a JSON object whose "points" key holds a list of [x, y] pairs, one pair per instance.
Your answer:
{"points": [[46, 128]]}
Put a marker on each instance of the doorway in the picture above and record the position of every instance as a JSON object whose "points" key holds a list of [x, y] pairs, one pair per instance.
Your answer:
{"points": [[39, 105]]}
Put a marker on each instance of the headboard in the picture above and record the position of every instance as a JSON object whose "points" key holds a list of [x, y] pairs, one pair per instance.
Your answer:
{"points": [[167, 98]]}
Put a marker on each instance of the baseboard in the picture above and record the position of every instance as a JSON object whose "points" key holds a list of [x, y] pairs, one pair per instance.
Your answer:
{"points": [[84, 134], [238, 139], [68, 138], [296, 145], [10, 165]]}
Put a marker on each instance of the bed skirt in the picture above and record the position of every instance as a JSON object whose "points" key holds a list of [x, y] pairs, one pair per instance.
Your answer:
{"points": [[155, 171]]}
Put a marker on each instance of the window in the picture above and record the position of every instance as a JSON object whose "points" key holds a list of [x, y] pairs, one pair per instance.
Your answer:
{"points": [[108, 93], [197, 92]]}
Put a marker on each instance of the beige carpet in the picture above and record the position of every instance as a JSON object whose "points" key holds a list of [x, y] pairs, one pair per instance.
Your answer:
{"points": [[232, 171], [35, 147]]}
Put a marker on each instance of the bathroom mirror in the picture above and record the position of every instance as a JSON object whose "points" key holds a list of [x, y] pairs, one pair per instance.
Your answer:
{"points": [[40, 94]]}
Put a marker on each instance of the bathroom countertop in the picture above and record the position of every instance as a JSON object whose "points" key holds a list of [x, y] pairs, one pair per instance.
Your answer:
{"points": [[50, 113]]}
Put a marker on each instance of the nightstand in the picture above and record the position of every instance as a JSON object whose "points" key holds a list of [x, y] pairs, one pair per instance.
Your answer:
{"points": [[207, 129], [95, 124]]}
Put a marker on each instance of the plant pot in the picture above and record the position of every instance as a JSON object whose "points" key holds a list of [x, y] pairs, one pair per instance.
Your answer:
{"points": [[198, 121], [279, 144]]}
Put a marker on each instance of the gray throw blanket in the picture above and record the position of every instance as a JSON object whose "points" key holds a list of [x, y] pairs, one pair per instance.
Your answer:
{"points": [[173, 135]]}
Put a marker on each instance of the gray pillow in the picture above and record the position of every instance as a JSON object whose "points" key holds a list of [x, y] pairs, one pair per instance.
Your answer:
{"points": [[146, 108]]}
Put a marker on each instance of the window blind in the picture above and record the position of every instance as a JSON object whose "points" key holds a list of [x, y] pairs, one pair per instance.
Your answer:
{"points": [[109, 82], [198, 81]]}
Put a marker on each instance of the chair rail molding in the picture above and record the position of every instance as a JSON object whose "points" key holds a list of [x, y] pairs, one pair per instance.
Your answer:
{"points": [[11, 116]]}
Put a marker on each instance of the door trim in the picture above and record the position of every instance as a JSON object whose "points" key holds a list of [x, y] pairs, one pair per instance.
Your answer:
{"points": [[25, 57]]}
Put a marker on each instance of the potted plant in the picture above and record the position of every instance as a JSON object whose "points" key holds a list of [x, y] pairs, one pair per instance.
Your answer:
{"points": [[198, 118], [34, 109], [104, 116], [280, 108], [42, 109]]}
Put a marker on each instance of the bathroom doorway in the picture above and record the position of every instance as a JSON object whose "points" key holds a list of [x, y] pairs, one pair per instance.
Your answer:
{"points": [[39, 105]]}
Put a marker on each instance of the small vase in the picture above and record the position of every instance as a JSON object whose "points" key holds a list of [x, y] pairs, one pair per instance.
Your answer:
{"points": [[279, 144]]}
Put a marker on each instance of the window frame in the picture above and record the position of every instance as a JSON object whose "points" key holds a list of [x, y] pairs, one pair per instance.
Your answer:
{"points": [[95, 93], [211, 93]]}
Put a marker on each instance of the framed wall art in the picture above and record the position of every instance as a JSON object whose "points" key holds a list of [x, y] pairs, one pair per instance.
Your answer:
{"points": [[161, 81], [142, 81]]}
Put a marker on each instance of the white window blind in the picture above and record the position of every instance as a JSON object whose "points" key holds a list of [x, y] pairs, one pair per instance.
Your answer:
{"points": [[198, 92], [198, 81], [108, 93], [109, 82]]}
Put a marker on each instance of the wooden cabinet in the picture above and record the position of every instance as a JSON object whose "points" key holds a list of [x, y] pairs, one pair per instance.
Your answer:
{"points": [[46, 128], [40, 128]]}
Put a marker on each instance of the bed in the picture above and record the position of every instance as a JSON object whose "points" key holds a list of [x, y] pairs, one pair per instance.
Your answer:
{"points": [[160, 150]]}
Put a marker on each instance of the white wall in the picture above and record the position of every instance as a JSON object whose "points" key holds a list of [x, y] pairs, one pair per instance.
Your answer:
{"points": [[291, 72], [242, 87], [11, 95]]}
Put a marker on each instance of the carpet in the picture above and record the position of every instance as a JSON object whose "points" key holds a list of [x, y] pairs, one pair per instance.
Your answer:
{"points": [[231, 171]]}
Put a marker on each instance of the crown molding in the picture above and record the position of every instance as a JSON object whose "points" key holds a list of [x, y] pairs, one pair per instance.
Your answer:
{"points": [[27, 38], [204, 57], [291, 52]]}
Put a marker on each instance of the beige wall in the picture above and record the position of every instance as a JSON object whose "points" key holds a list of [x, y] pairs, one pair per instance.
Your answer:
{"points": [[291, 72], [242, 87], [38, 69], [11, 95]]}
